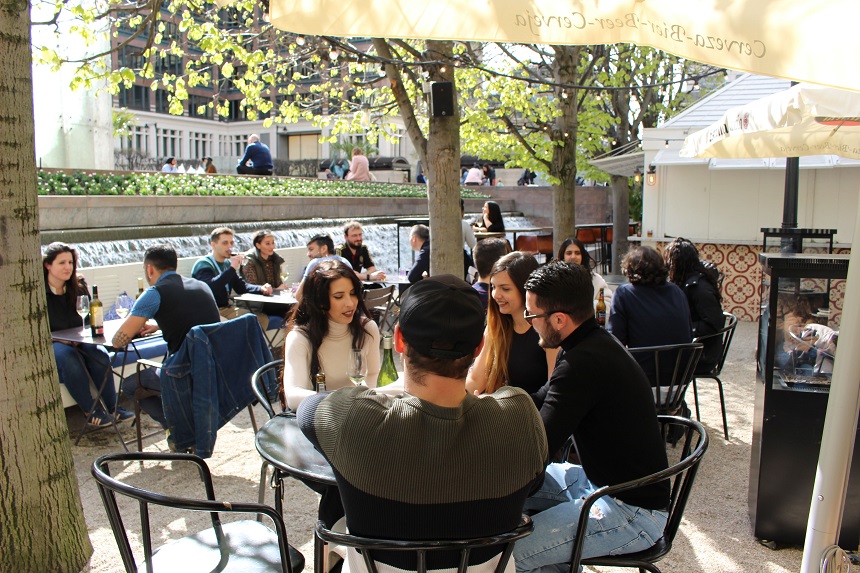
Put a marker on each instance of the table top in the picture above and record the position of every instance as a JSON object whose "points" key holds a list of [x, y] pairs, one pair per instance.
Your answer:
{"points": [[284, 297], [528, 229], [78, 336], [408, 221], [281, 443]]}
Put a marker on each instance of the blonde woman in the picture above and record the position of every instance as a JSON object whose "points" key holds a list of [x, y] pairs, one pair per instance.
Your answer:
{"points": [[511, 355]]}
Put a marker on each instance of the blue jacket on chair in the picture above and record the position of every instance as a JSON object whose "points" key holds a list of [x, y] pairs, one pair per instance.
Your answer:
{"points": [[208, 380]]}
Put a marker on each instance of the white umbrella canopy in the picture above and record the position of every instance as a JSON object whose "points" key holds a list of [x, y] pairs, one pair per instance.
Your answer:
{"points": [[804, 120], [809, 120], [795, 39]]}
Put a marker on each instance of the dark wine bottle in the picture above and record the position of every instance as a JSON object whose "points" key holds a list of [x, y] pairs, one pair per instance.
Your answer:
{"points": [[97, 315]]}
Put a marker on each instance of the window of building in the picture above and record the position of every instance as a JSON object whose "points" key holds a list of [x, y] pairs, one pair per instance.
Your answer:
{"points": [[135, 97], [201, 144], [195, 102], [169, 64], [167, 142], [304, 146], [137, 140]]}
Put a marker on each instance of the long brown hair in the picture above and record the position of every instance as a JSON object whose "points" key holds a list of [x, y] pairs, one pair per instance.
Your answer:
{"points": [[75, 285], [500, 327], [310, 316]]}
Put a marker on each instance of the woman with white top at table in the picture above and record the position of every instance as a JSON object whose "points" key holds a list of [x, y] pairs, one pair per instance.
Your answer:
{"points": [[573, 251], [329, 322], [77, 364]]}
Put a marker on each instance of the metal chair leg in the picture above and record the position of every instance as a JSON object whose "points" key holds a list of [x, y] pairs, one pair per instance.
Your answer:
{"points": [[696, 399], [723, 408]]}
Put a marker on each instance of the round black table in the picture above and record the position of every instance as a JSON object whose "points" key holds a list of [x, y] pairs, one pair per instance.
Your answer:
{"points": [[281, 443]]}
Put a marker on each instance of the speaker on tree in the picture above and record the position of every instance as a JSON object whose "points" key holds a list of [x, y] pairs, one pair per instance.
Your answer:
{"points": [[442, 98]]}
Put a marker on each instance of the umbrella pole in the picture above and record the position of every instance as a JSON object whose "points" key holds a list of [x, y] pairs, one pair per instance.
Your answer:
{"points": [[789, 204], [840, 427]]}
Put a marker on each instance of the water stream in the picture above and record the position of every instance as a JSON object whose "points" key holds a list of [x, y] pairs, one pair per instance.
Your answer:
{"points": [[380, 236]]}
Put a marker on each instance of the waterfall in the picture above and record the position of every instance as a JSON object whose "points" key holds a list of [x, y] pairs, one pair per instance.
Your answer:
{"points": [[380, 236]]}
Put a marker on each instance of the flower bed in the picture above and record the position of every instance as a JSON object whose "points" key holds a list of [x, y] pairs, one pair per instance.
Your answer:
{"points": [[143, 184]]}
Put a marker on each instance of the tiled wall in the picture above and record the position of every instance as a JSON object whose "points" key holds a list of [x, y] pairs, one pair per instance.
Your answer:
{"points": [[742, 281]]}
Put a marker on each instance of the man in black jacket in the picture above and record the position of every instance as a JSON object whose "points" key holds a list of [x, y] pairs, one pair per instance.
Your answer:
{"points": [[598, 394]]}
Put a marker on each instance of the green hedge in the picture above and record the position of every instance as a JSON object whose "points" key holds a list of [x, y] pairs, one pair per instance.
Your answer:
{"points": [[141, 184]]}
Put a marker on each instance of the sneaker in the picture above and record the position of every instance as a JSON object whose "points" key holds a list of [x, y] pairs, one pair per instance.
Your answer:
{"points": [[99, 419], [122, 414]]}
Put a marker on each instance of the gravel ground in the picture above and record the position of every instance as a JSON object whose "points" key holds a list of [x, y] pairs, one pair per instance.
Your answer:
{"points": [[715, 536]]}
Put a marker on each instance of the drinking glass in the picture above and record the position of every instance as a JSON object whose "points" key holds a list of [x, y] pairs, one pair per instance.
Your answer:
{"points": [[356, 369], [82, 306], [285, 273], [123, 305]]}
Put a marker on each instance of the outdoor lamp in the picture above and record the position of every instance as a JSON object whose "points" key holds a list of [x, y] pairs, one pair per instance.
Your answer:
{"points": [[652, 175], [637, 175]]}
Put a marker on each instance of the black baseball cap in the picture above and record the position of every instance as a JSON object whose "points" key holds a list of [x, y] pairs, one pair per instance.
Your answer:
{"points": [[442, 317]]}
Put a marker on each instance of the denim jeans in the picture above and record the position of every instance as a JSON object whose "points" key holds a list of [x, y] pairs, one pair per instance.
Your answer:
{"points": [[614, 527], [76, 365]]}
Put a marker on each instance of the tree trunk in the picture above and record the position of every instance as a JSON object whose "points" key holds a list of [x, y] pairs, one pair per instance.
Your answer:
{"points": [[563, 163], [443, 167], [620, 220], [42, 525]]}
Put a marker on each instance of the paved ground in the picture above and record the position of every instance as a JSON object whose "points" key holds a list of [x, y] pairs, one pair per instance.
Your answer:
{"points": [[715, 536]]}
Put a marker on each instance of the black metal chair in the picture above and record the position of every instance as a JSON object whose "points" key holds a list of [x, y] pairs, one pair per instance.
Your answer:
{"points": [[378, 302], [366, 546], [681, 474], [725, 336], [260, 393], [239, 546], [674, 367]]}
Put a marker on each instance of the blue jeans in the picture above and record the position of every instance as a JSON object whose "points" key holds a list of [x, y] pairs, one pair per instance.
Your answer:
{"points": [[77, 365], [614, 527]]}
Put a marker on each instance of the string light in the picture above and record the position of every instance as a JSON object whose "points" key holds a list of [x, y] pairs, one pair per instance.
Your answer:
{"points": [[667, 144], [334, 54], [300, 40]]}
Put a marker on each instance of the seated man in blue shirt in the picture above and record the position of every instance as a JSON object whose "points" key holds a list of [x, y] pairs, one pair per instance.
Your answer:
{"points": [[258, 155], [320, 248], [220, 270], [176, 303]]}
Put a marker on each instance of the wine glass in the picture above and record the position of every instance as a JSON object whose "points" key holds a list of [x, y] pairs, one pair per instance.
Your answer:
{"points": [[82, 306], [356, 369], [285, 273], [123, 305]]}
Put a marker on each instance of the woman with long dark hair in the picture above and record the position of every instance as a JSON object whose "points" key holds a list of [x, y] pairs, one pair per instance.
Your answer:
{"points": [[572, 250], [649, 310], [511, 354], [77, 365], [329, 322], [700, 284], [490, 220]]}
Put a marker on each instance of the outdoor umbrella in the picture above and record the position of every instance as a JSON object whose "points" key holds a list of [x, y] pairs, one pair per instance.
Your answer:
{"points": [[795, 39], [804, 120], [808, 120]]}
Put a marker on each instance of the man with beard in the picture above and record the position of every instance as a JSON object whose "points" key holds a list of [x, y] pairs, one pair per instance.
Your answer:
{"points": [[355, 251], [598, 394]]}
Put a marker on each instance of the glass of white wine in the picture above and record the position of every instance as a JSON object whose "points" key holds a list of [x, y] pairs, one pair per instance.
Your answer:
{"points": [[123, 305], [285, 274], [82, 306], [356, 369]]}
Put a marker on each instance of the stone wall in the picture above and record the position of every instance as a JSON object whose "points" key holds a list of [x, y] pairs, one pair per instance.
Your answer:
{"points": [[100, 211]]}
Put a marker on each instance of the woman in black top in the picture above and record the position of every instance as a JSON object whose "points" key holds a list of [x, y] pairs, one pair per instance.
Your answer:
{"points": [[490, 220], [76, 364], [700, 283]]}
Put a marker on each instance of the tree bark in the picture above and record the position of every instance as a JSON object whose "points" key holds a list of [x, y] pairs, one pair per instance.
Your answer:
{"points": [[42, 525], [563, 163], [443, 166], [439, 152], [620, 220]]}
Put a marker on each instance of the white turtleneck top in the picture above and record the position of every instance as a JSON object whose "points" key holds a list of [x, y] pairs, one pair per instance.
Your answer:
{"points": [[333, 355]]}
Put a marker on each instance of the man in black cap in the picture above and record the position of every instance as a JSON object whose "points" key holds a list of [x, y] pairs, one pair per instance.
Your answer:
{"points": [[434, 462]]}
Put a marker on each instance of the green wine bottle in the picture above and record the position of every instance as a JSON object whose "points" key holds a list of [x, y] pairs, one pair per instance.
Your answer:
{"points": [[388, 373]]}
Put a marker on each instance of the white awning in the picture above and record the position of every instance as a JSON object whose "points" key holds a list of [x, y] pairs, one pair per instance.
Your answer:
{"points": [[671, 157]]}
